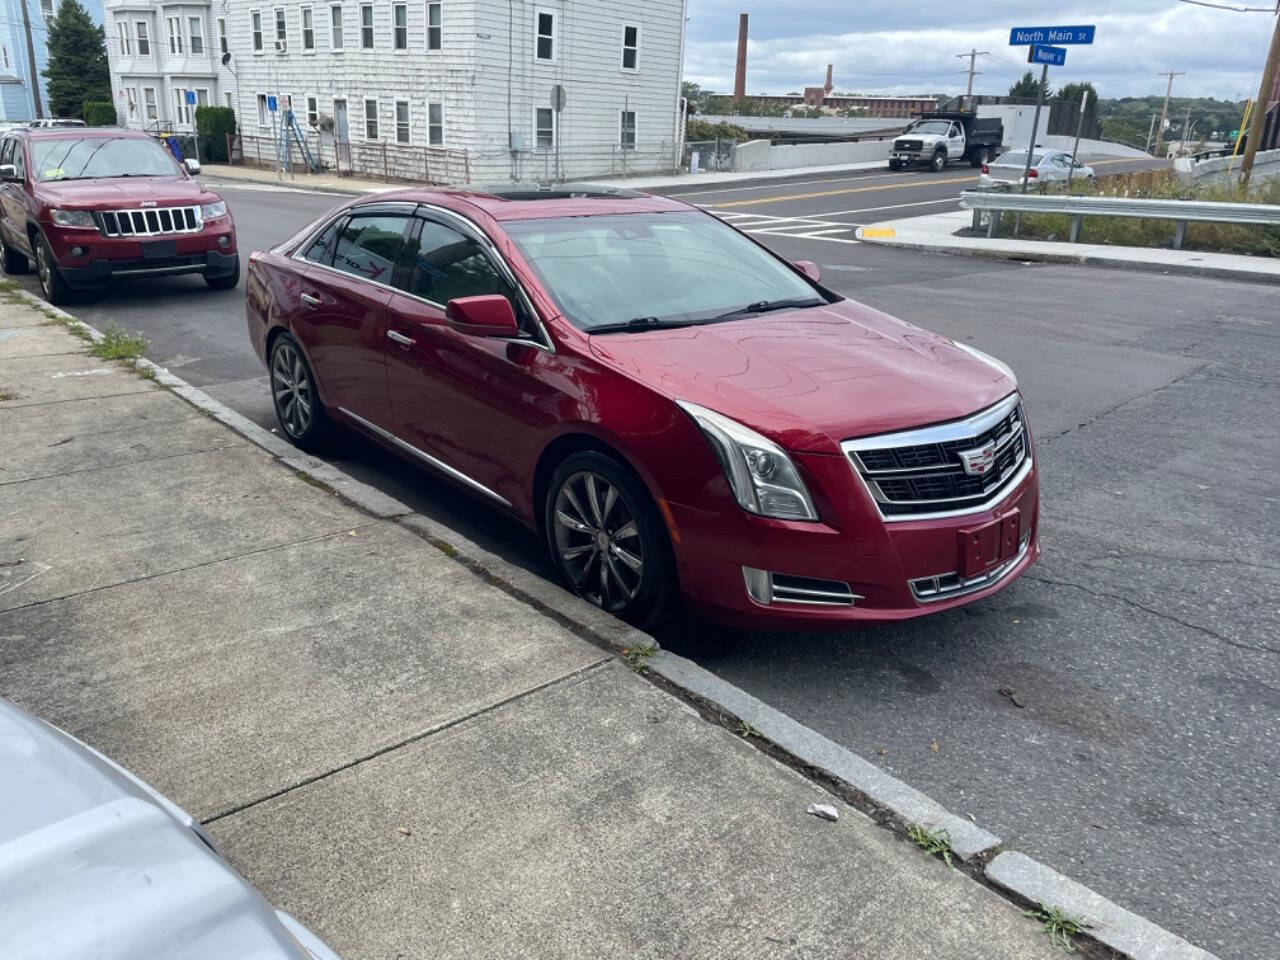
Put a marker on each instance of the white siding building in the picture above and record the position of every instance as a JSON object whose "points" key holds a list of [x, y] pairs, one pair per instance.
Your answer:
{"points": [[461, 90], [158, 51]]}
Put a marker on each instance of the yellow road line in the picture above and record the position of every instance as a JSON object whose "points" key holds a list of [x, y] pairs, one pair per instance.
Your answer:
{"points": [[923, 182]]}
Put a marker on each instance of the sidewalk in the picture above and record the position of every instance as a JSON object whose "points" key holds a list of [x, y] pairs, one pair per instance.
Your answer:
{"points": [[936, 232], [330, 183], [409, 759]]}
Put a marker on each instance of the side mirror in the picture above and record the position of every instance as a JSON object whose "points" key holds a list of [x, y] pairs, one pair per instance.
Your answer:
{"points": [[193, 166], [8, 172], [809, 269], [487, 316]]}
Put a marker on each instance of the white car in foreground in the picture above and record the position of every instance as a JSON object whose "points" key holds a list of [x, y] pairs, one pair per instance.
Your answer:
{"points": [[1047, 166]]}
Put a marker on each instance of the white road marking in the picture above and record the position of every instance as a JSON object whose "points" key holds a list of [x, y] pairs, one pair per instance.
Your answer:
{"points": [[792, 183], [806, 228]]}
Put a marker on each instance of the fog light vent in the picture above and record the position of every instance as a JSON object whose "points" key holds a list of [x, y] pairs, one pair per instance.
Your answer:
{"points": [[770, 588]]}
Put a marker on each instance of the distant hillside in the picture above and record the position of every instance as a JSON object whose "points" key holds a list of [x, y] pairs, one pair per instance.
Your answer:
{"points": [[1129, 118]]}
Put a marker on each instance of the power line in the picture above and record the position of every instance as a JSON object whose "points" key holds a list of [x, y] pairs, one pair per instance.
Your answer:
{"points": [[1225, 6], [973, 55]]}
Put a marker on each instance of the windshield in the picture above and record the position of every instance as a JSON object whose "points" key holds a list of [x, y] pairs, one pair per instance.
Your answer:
{"points": [[682, 267], [940, 127], [81, 158]]}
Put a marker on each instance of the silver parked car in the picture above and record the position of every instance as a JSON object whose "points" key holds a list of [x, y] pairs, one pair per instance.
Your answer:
{"points": [[1047, 166], [96, 864]]}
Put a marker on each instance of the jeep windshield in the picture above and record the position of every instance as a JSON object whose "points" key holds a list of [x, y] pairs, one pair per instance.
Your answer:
{"points": [[87, 158]]}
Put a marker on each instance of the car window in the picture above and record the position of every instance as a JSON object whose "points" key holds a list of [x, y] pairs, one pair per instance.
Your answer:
{"points": [[6, 151], [19, 161], [96, 157], [448, 265], [320, 250], [369, 245]]}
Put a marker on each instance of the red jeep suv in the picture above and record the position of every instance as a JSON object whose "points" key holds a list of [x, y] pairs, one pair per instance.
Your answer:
{"points": [[90, 205]]}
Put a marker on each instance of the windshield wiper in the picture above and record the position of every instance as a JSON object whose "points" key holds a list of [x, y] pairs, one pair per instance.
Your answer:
{"points": [[767, 306], [638, 325]]}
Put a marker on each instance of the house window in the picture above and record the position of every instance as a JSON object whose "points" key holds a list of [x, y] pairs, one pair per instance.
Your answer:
{"points": [[144, 39], [256, 19], [175, 35], [435, 35], [308, 30], [231, 104], [222, 34], [400, 26], [195, 27], [46, 9], [630, 47], [149, 102], [181, 111], [546, 35], [366, 26], [370, 119], [627, 124], [131, 101], [544, 128], [282, 30], [313, 111], [402, 121], [335, 26], [435, 124], [202, 97], [264, 116], [126, 48]]}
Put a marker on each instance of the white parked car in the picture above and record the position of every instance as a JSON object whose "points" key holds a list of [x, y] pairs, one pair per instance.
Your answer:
{"points": [[1047, 166]]}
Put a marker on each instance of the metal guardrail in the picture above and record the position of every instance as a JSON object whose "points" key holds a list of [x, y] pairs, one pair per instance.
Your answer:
{"points": [[1180, 212]]}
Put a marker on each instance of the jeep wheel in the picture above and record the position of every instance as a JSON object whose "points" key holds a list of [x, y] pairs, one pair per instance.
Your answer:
{"points": [[52, 285]]}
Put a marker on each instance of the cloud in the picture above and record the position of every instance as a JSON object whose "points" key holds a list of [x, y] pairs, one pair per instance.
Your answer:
{"points": [[901, 48]]}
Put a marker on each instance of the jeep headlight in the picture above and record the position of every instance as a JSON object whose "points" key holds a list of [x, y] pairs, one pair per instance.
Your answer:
{"points": [[760, 474], [212, 211], [74, 219]]}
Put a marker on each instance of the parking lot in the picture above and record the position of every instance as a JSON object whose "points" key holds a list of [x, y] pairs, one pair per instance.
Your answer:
{"points": [[1114, 713]]}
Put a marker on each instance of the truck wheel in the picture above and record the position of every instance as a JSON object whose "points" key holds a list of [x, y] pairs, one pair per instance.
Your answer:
{"points": [[894, 165], [938, 162], [983, 156]]}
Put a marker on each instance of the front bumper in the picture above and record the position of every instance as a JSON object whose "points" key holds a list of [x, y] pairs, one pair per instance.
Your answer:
{"points": [[893, 570], [87, 260]]}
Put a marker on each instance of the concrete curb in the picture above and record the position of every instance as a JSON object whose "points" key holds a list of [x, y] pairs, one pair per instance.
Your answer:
{"points": [[806, 749], [1030, 253]]}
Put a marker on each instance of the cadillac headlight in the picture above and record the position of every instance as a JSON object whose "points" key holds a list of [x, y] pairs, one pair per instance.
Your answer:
{"points": [[761, 475]]}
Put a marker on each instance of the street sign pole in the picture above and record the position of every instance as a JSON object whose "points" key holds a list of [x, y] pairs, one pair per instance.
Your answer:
{"points": [[1075, 151], [1035, 124]]}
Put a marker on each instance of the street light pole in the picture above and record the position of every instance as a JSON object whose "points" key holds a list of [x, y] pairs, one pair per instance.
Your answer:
{"points": [[1260, 108]]}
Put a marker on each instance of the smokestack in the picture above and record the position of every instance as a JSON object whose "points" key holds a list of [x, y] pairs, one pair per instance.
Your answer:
{"points": [[827, 88], [740, 74]]}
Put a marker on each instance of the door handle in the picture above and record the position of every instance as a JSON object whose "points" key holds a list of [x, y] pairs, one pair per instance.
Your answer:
{"points": [[400, 338], [309, 300]]}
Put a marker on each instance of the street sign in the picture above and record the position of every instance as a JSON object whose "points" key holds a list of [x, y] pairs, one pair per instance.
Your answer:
{"points": [[1026, 36], [1043, 53], [191, 96], [557, 98], [271, 104]]}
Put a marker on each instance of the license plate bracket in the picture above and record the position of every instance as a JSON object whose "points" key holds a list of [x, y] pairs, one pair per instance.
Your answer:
{"points": [[983, 546], [159, 249]]}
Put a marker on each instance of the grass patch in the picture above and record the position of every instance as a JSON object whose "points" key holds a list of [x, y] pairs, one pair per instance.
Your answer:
{"points": [[1162, 185], [1060, 927], [747, 730], [146, 372], [639, 656], [7, 395], [118, 344], [936, 843]]}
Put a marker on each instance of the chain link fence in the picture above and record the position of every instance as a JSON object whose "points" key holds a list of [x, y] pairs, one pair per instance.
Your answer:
{"points": [[715, 156], [377, 159]]}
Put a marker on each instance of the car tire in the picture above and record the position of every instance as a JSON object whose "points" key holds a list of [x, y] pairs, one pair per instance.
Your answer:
{"points": [[608, 541], [894, 165], [224, 281], [301, 415], [983, 156], [54, 288], [938, 162], [14, 262]]}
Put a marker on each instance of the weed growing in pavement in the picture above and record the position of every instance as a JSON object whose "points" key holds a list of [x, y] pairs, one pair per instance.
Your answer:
{"points": [[146, 372], [747, 730], [1059, 926], [933, 842], [639, 656], [117, 344], [7, 395]]}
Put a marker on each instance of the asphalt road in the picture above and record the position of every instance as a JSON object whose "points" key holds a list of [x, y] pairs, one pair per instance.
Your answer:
{"points": [[1134, 748]]}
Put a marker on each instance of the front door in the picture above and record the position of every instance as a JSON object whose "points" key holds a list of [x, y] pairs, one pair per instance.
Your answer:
{"points": [[341, 135], [475, 404]]}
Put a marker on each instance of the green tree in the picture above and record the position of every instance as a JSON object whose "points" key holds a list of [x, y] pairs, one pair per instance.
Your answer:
{"points": [[1029, 87], [77, 69], [1075, 91]]}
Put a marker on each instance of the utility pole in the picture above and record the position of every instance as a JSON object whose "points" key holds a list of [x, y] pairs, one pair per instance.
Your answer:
{"points": [[1186, 125], [1164, 111], [973, 56], [31, 61], [1151, 132], [1264, 99], [1035, 127]]}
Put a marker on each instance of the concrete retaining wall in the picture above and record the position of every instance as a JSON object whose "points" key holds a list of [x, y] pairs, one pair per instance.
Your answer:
{"points": [[1092, 147], [761, 155], [1266, 166]]}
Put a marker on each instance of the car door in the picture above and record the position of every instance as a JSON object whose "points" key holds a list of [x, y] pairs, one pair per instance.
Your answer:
{"points": [[12, 200], [955, 142], [341, 317], [477, 406]]}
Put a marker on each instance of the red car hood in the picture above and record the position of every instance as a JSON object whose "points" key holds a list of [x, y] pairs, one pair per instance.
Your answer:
{"points": [[811, 378], [124, 192]]}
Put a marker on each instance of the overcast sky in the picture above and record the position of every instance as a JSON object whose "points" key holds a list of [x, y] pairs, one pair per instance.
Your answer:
{"points": [[909, 46]]}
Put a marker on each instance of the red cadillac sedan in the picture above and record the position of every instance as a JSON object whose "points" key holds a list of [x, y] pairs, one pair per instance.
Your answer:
{"points": [[682, 415]]}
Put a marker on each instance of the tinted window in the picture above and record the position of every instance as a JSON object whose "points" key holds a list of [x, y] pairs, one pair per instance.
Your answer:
{"points": [[321, 248], [448, 265], [369, 246]]}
